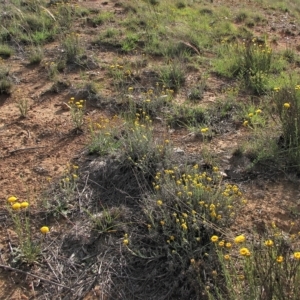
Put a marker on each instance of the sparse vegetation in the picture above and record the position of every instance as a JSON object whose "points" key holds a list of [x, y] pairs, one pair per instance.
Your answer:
{"points": [[165, 182]]}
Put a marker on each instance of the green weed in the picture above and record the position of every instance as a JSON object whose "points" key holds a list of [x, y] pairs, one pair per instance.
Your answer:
{"points": [[28, 250], [36, 54], [5, 51]]}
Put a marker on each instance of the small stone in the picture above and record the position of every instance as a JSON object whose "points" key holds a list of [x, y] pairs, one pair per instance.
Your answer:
{"points": [[178, 150]]}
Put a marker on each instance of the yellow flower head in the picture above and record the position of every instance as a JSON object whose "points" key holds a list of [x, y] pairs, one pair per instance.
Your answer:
{"points": [[269, 243], [45, 229], [258, 111], [297, 255], [286, 105], [184, 226], [245, 252], [125, 242], [250, 115], [279, 259], [240, 239], [214, 238], [228, 245], [24, 204], [162, 223], [16, 206], [159, 202], [12, 199], [245, 123], [221, 244], [227, 257]]}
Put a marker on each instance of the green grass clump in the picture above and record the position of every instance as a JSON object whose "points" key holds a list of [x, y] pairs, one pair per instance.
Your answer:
{"points": [[251, 62], [28, 249], [5, 51], [185, 208], [104, 138], [73, 48], [186, 116], [173, 75], [287, 101], [101, 18], [36, 54], [5, 82], [270, 269]]}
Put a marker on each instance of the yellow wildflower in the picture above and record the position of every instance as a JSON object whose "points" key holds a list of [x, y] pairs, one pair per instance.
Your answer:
{"points": [[214, 238], [16, 206], [159, 202], [240, 239], [125, 242], [279, 259], [245, 252], [258, 111], [250, 115], [184, 226], [12, 199], [227, 257], [24, 204], [269, 243], [44, 229], [286, 105], [297, 255], [228, 245], [221, 244]]}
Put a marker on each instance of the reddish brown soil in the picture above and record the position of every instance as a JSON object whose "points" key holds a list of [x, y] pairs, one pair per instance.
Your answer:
{"points": [[36, 149]]}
